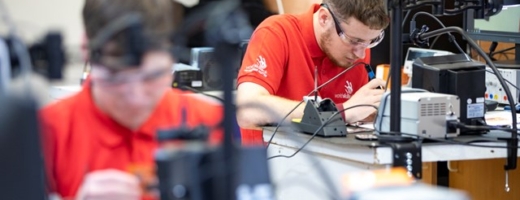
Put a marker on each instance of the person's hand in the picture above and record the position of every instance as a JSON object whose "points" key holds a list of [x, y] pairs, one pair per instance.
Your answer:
{"points": [[369, 118], [109, 184], [368, 94]]}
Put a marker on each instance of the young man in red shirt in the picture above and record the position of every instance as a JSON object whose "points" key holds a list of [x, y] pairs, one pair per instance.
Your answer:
{"points": [[287, 54], [94, 139]]}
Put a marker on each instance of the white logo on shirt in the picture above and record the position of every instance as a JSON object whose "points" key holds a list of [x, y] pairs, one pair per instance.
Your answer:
{"points": [[348, 88], [259, 67], [348, 91]]}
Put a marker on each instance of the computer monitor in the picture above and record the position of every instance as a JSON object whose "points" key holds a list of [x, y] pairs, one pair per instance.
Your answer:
{"points": [[502, 27]]}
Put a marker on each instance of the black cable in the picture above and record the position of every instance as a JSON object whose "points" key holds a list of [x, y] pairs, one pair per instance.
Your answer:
{"points": [[313, 91], [434, 41], [405, 18], [516, 87], [201, 92], [502, 50], [280, 123], [452, 38], [492, 49], [319, 129]]}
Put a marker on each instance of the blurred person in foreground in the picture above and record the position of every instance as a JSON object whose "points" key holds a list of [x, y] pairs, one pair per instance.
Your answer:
{"points": [[94, 139], [289, 55]]}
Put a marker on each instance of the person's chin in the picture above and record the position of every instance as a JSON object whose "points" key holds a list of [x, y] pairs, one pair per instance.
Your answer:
{"points": [[349, 61], [132, 119], [345, 64], [135, 112], [132, 111]]}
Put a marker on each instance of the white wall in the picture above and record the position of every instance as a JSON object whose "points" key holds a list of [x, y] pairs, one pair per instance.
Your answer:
{"points": [[34, 18], [291, 6], [507, 20]]}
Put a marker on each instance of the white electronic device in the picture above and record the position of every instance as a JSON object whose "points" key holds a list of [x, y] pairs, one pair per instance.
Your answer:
{"points": [[423, 113], [414, 53], [495, 91]]}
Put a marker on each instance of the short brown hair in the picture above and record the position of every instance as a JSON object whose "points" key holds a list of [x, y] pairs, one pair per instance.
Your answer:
{"points": [[372, 13], [157, 21]]}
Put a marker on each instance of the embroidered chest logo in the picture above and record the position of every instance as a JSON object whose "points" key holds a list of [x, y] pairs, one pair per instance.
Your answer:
{"points": [[348, 88], [348, 91], [260, 67]]}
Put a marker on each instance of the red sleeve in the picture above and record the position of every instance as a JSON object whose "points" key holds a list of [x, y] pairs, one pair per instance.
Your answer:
{"points": [[49, 143], [265, 59], [54, 123]]}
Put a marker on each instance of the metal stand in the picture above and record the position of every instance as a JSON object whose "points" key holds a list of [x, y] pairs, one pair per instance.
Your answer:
{"points": [[316, 116], [408, 155], [396, 45], [197, 171], [396, 7]]}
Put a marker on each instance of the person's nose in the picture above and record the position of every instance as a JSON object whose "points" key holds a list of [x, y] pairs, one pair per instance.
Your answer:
{"points": [[134, 93], [359, 52]]}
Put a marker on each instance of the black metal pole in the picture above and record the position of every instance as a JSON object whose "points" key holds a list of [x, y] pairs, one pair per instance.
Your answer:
{"points": [[396, 11], [227, 55], [227, 28]]}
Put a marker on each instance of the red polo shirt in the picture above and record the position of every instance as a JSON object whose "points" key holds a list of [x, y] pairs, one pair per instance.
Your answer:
{"points": [[282, 55], [79, 138]]}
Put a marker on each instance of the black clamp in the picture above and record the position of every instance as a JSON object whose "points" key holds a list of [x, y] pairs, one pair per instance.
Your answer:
{"points": [[409, 156], [415, 37]]}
